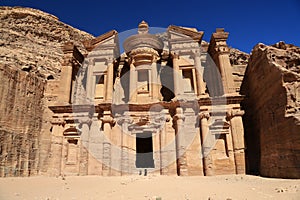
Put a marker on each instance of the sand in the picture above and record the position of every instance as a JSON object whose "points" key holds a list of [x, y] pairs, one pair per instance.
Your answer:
{"points": [[149, 187]]}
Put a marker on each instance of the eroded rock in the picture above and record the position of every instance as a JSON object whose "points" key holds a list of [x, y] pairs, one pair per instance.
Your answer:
{"points": [[272, 105]]}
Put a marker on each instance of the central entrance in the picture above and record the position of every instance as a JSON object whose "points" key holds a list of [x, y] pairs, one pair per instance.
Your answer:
{"points": [[144, 150]]}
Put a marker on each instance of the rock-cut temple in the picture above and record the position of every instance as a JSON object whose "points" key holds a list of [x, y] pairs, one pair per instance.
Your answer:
{"points": [[169, 104]]}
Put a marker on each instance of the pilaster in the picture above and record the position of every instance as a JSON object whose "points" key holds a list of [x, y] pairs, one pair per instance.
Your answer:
{"points": [[176, 74], [107, 121], [219, 51], [201, 86], [178, 119], [237, 130], [206, 146], [132, 84], [110, 80], [84, 125]]}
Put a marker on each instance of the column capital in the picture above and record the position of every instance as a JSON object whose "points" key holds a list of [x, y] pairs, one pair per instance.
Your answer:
{"points": [[234, 113], [196, 53], [204, 114], [107, 118], [82, 121], [67, 61], [179, 116], [125, 120], [109, 61]]}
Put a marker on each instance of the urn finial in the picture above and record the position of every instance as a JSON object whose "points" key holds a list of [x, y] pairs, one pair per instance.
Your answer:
{"points": [[143, 27]]}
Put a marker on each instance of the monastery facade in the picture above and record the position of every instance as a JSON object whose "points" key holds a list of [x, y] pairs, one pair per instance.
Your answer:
{"points": [[169, 105]]}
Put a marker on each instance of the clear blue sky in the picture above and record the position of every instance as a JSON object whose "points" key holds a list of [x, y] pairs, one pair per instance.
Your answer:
{"points": [[248, 22]]}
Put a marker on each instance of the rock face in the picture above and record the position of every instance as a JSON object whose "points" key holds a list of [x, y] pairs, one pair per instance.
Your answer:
{"points": [[21, 106], [272, 110], [30, 53], [32, 39], [239, 62]]}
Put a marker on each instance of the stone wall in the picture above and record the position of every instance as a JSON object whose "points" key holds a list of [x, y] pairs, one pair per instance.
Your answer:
{"points": [[272, 116], [21, 106]]}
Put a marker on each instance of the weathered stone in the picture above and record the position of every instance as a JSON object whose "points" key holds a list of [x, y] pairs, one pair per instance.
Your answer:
{"points": [[21, 106], [30, 41], [272, 113], [33, 39]]}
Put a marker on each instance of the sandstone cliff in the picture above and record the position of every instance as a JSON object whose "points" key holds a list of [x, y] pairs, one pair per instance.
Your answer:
{"points": [[239, 62], [30, 53], [272, 118], [31, 40]]}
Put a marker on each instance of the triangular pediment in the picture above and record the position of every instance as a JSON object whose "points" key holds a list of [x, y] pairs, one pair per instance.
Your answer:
{"points": [[177, 32], [108, 38]]}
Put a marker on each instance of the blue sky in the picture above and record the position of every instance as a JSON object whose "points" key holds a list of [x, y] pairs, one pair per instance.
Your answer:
{"points": [[248, 22]]}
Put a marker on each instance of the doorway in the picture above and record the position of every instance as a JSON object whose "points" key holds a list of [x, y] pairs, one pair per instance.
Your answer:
{"points": [[144, 150]]}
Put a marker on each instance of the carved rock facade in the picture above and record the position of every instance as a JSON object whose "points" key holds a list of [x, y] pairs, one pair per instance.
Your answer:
{"points": [[160, 106], [71, 104]]}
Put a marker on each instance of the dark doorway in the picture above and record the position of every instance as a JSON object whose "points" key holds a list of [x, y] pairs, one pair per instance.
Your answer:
{"points": [[144, 150]]}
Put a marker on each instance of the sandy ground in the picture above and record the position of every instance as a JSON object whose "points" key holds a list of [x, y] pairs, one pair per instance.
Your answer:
{"points": [[149, 187]]}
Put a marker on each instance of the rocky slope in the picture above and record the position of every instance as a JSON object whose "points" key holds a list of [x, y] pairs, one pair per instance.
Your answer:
{"points": [[31, 40], [272, 110], [30, 53]]}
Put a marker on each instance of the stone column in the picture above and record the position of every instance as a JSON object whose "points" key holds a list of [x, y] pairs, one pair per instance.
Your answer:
{"points": [[84, 149], [199, 74], [90, 82], [110, 81], [226, 72], [170, 146], [206, 146], [219, 51], [66, 81], [132, 83], [154, 83], [182, 169], [108, 122], [176, 74], [237, 131]]}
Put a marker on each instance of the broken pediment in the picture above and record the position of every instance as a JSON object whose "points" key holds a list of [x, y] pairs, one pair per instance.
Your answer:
{"points": [[183, 33], [109, 39]]}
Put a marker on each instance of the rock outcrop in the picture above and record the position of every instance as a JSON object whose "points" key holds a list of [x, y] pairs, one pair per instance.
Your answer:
{"points": [[239, 62], [31, 40], [272, 110], [30, 53]]}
